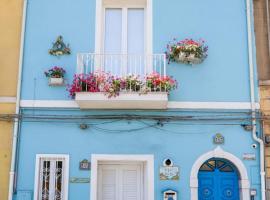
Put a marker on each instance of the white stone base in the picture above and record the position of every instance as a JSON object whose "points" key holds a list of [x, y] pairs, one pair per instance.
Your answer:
{"points": [[126, 100], [56, 81]]}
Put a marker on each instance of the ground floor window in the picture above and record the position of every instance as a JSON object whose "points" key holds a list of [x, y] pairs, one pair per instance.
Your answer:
{"points": [[51, 177]]}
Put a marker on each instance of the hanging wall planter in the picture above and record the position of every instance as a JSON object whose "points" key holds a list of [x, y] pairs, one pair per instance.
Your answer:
{"points": [[59, 48], [55, 76], [187, 51], [56, 81]]}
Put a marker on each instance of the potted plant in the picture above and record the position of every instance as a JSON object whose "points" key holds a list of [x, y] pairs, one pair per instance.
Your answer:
{"points": [[55, 76], [187, 51], [99, 90]]}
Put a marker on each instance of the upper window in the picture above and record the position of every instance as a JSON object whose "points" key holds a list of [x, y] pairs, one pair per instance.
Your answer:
{"points": [[123, 36], [51, 177], [123, 27]]}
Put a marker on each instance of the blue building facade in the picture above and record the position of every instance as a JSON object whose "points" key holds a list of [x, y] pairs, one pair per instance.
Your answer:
{"points": [[196, 143]]}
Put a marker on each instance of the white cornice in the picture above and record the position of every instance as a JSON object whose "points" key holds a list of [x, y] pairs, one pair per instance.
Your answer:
{"points": [[7, 99], [171, 104]]}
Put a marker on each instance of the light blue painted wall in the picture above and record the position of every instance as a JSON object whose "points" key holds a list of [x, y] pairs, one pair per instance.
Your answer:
{"points": [[182, 141], [222, 77]]}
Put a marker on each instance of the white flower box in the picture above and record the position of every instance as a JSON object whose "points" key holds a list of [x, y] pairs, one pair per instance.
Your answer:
{"points": [[126, 100], [56, 81]]}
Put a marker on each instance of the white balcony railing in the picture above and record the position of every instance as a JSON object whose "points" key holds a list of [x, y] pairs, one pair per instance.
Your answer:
{"points": [[132, 96], [122, 65]]}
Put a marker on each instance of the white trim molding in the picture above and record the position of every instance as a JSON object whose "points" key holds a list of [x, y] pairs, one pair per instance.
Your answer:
{"points": [[171, 104], [148, 161], [244, 184], [8, 99], [212, 105]]}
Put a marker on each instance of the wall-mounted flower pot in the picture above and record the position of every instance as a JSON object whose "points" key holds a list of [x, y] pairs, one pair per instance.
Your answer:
{"points": [[125, 100], [56, 81]]}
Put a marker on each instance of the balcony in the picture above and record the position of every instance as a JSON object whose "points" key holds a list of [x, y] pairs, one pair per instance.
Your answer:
{"points": [[129, 78]]}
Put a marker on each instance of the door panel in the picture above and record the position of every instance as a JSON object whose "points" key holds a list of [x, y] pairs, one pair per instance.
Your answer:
{"points": [[113, 31], [108, 183], [120, 182], [218, 181], [207, 186]]}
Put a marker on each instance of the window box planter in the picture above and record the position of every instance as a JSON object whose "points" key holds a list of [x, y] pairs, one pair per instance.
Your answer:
{"points": [[125, 100], [56, 81]]}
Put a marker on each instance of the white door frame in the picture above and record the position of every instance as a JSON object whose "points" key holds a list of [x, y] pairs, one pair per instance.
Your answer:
{"points": [[148, 161], [244, 184]]}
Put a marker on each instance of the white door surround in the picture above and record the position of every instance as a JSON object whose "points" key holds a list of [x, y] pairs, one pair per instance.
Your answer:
{"points": [[147, 160], [244, 184]]}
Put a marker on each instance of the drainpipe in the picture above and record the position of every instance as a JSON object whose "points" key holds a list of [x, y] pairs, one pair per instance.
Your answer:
{"points": [[252, 98], [17, 111]]}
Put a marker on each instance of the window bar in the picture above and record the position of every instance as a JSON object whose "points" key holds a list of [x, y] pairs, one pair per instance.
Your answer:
{"points": [[55, 179], [111, 61], [164, 64], [87, 64], [136, 64], [52, 179], [92, 62]]}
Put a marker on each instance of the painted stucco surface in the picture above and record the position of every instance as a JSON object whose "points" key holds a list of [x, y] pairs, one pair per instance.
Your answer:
{"points": [[222, 77], [5, 148], [10, 22], [184, 142]]}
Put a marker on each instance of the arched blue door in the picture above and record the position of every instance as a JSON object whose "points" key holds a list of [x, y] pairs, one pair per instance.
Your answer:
{"points": [[218, 180]]}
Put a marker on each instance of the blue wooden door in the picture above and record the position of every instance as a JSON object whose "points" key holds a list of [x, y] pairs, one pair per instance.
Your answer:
{"points": [[218, 180]]}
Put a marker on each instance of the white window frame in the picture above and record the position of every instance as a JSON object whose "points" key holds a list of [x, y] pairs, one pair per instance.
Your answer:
{"points": [[101, 5], [65, 167], [147, 160]]}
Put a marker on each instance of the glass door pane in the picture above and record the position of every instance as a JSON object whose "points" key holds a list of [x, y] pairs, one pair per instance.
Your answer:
{"points": [[113, 41], [135, 41]]}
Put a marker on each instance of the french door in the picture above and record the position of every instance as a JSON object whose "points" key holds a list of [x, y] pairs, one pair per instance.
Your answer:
{"points": [[120, 182], [124, 40]]}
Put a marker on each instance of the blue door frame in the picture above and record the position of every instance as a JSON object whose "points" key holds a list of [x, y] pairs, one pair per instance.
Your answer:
{"points": [[218, 180]]}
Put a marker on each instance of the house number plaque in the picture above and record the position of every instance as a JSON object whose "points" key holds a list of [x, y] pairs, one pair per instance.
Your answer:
{"points": [[218, 139], [85, 165]]}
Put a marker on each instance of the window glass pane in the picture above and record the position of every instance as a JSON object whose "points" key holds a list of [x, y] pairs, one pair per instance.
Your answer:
{"points": [[135, 31], [45, 173], [111, 62], [205, 167], [58, 180], [220, 163], [136, 41], [212, 163], [113, 31], [227, 169]]}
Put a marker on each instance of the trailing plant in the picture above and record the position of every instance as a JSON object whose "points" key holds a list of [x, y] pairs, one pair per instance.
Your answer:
{"points": [[187, 51], [112, 85], [59, 47], [55, 72], [156, 82]]}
